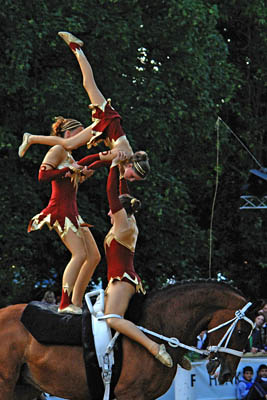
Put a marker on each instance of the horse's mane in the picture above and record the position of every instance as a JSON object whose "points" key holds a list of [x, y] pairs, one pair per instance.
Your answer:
{"points": [[192, 283], [135, 307]]}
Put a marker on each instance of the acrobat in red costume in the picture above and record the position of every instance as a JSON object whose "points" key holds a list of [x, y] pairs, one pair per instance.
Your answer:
{"points": [[61, 212], [106, 124], [120, 251], [123, 280]]}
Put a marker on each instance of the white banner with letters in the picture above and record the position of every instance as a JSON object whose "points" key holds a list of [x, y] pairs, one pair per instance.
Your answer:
{"points": [[198, 385], [201, 386]]}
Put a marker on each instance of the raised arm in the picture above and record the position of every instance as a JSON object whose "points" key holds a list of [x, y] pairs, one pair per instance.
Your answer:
{"points": [[124, 189], [119, 214]]}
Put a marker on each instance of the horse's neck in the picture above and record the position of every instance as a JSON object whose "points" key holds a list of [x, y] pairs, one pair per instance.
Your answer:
{"points": [[187, 313]]}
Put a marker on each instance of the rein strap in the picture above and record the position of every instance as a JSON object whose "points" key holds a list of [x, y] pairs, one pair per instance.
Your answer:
{"points": [[239, 314]]}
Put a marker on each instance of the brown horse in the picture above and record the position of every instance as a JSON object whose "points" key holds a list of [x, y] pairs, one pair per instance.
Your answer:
{"points": [[183, 311]]}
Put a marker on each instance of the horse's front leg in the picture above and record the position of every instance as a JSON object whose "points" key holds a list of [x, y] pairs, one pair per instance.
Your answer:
{"points": [[8, 381], [13, 338], [9, 369]]}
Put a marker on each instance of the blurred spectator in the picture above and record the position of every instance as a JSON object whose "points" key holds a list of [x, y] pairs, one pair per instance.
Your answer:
{"points": [[244, 383], [258, 390], [49, 297], [258, 335], [263, 312]]}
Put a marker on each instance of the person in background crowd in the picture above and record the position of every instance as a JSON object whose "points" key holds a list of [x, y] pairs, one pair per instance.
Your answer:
{"points": [[49, 297], [244, 384], [258, 391], [263, 312], [257, 335]]}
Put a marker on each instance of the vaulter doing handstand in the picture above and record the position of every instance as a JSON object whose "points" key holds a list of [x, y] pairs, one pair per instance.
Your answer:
{"points": [[106, 124]]}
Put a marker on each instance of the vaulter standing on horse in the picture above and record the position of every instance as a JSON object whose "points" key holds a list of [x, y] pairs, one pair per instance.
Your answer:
{"points": [[61, 214], [106, 126]]}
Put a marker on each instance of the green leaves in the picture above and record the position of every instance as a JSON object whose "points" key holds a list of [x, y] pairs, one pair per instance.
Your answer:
{"points": [[170, 68]]}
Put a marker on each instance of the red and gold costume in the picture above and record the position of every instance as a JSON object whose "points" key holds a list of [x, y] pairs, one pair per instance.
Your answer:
{"points": [[62, 212], [120, 248], [107, 127]]}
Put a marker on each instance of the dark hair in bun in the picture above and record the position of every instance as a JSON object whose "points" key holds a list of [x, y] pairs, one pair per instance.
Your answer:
{"points": [[130, 204]]}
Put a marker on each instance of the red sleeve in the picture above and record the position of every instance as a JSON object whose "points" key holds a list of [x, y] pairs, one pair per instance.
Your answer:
{"points": [[113, 190], [89, 159], [51, 174], [98, 164], [124, 189]]}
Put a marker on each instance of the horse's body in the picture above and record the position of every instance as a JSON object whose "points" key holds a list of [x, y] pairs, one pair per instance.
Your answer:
{"points": [[181, 311]]}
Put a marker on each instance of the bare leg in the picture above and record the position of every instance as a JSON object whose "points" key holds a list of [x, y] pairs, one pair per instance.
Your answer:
{"points": [[87, 269], [96, 97], [69, 144], [75, 245], [118, 297]]}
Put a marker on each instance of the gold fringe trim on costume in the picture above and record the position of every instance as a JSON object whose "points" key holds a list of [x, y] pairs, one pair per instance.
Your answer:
{"points": [[66, 288], [93, 141], [76, 177], [35, 225], [102, 107], [138, 285]]}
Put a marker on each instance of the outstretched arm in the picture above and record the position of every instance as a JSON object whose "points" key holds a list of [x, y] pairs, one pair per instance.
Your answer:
{"points": [[103, 156], [48, 175]]}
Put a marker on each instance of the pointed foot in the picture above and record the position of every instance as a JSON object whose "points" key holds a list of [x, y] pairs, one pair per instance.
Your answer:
{"points": [[24, 145], [164, 357]]}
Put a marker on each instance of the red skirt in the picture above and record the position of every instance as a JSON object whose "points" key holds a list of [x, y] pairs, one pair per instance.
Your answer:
{"points": [[120, 265]]}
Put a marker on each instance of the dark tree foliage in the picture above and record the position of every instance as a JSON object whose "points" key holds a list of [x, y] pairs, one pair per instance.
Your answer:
{"points": [[170, 68], [241, 235]]}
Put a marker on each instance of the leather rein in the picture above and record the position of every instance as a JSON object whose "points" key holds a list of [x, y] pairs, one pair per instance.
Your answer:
{"points": [[220, 348]]}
